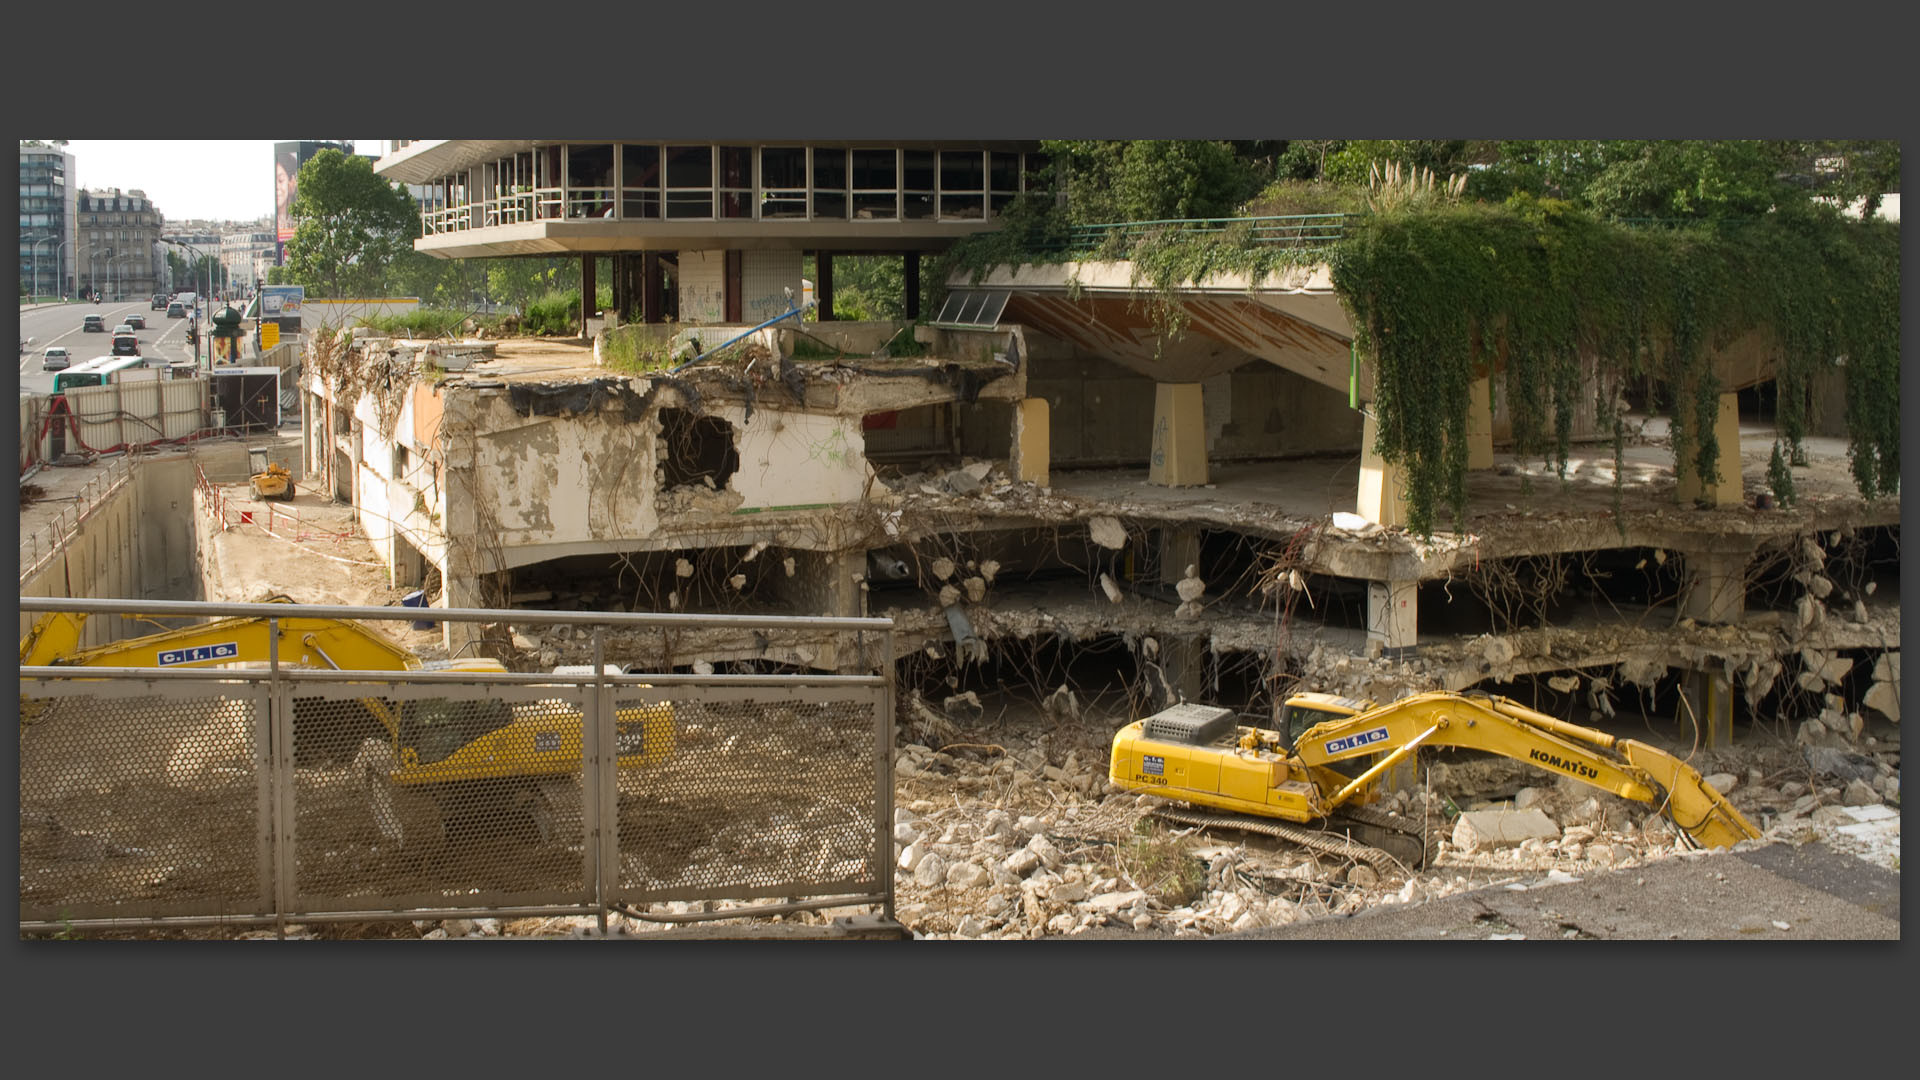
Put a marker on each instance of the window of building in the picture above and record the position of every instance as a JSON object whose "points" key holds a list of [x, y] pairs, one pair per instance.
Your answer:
{"points": [[876, 185], [1003, 179], [829, 183], [917, 181], [689, 181], [736, 181], [639, 181], [963, 182], [589, 180], [783, 182], [1037, 172]]}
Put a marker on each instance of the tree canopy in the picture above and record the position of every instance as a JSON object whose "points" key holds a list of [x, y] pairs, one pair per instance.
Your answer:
{"points": [[350, 227]]}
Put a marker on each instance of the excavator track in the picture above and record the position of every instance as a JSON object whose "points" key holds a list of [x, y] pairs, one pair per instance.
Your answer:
{"points": [[1322, 840]]}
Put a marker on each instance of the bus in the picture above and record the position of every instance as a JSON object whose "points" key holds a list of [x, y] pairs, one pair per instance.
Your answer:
{"points": [[102, 371]]}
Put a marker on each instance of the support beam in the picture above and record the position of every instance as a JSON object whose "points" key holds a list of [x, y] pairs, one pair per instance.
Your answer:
{"points": [[823, 289], [1179, 436], [1480, 424], [1179, 549], [461, 591], [912, 288], [1724, 489], [1382, 483], [589, 291], [1183, 660], [652, 287], [1393, 617], [1032, 441], [1711, 698], [1715, 590]]}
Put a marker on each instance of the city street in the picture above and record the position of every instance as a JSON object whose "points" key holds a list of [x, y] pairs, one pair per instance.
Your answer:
{"points": [[59, 324]]}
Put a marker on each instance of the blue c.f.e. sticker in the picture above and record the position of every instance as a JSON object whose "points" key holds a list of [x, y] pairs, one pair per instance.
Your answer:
{"points": [[1358, 738], [1154, 764]]}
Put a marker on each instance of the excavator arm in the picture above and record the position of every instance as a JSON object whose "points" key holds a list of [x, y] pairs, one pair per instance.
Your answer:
{"points": [[1625, 767], [303, 642]]}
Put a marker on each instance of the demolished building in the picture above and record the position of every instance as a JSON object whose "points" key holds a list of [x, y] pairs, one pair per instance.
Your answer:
{"points": [[1036, 490]]}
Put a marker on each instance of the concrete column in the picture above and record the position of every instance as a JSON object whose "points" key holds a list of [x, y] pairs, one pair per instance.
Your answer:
{"points": [[1724, 489], [1480, 424], [1032, 441], [1179, 549], [1382, 484], [823, 288], [589, 289], [1393, 616], [1184, 662], [1179, 436], [461, 591], [1716, 586], [652, 288], [912, 289], [1711, 698]]}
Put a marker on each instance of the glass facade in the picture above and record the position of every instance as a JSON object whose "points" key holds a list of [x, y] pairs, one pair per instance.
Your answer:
{"points": [[715, 182]]}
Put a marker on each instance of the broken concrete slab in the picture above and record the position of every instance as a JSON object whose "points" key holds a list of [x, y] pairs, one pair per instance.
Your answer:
{"points": [[1107, 532], [1502, 828], [1884, 698]]}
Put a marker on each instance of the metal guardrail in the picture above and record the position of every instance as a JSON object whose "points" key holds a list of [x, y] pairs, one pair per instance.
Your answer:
{"points": [[1294, 230], [262, 796], [41, 544]]}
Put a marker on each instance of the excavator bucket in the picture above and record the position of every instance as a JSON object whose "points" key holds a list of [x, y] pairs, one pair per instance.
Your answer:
{"points": [[1691, 802]]}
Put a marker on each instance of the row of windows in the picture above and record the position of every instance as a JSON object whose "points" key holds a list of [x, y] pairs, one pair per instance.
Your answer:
{"points": [[645, 181]]}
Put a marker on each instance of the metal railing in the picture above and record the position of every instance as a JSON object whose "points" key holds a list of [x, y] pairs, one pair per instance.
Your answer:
{"points": [[1289, 230], [275, 793], [41, 543]]}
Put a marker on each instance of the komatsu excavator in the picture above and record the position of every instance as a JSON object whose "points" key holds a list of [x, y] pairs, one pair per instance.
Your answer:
{"points": [[420, 762], [1309, 781]]}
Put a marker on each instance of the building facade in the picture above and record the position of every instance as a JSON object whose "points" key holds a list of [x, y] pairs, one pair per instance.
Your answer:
{"points": [[118, 240], [47, 193]]}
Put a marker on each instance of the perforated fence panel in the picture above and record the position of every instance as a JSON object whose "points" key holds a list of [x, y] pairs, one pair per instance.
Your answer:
{"points": [[768, 792], [416, 798], [136, 805]]}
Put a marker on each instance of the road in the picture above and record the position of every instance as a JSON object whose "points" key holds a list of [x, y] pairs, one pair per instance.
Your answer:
{"points": [[60, 325]]}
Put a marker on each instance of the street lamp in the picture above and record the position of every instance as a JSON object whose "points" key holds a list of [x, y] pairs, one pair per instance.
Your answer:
{"points": [[36, 262]]}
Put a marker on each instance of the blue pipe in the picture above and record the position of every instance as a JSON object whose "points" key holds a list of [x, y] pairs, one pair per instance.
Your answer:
{"points": [[790, 313]]}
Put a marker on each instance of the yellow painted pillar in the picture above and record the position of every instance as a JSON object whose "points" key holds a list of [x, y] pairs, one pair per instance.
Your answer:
{"points": [[1032, 441], [1179, 436], [1480, 424], [1382, 485], [1725, 488]]}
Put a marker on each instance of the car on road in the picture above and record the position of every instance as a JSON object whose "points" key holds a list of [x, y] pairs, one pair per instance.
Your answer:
{"points": [[126, 345], [123, 328], [55, 359], [94, 324], [176, 310], [159, 302], [137, 321]]}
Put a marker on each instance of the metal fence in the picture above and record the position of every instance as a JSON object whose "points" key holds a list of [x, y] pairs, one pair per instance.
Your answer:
{"points": [[158, 795]]}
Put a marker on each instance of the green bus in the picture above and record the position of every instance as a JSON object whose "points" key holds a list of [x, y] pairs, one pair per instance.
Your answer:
{"points": [[99, 371]]}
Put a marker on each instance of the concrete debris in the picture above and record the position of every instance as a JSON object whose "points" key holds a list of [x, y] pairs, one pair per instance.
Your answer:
{"points": [[788, 565], [1107, 532], [682, 568], [1859, 793], [701, 667], [1564, 684], [1819, 586], [1722, 782], [942, 568], [967, 876], [1839, 764], [1190, 588], [976, 589], [961, 482], [949, 596], [1112, 590], [1501, 828], [754, 551], [1349, 522], [931, 871], [1062, 704], [1884, 698], [738, 581], [1835, 670], [988, 569], [1887, 668], [964, 708]]}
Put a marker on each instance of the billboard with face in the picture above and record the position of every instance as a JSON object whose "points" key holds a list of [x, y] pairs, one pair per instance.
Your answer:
{"points": [[286, 173]]}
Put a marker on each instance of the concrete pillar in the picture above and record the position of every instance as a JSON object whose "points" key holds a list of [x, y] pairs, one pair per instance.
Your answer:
{"points": [[1032, 441], [1184, 662], [652, 288], [1382, 484], [1179, 436], [1480, 424], [461, 591], [1724, 489], [1179, 549], [589, 291], [912, 288], [1711, 698], [1393, 616], [1716, 586], [823, 288]]}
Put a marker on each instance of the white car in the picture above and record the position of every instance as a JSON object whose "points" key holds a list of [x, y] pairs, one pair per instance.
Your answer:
{"points": [[55, 359]]}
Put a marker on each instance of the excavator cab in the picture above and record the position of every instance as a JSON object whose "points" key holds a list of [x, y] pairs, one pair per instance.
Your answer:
{"points": [[1302, 711]]}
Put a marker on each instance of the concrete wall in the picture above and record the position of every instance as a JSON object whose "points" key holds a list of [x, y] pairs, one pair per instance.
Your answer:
{"points": [[765, 277], [703, 286], [139, 542]]}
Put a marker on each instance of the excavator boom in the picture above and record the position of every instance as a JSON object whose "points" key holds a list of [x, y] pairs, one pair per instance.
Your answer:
{"points": [[303, 642]]}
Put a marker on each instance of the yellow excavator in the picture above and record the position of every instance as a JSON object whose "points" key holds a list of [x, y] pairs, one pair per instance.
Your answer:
{"points": [[268, 479], [1314, 770], [421, 762]]}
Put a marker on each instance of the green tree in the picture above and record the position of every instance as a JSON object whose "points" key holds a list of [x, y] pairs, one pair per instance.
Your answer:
{"points": [[1151, 180], [350, 227]]}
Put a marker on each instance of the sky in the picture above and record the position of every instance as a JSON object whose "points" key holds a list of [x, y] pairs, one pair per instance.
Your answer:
{"points": [[187, 179]]}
